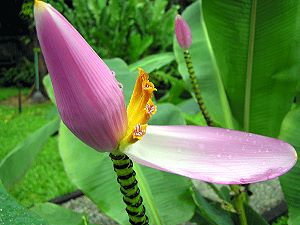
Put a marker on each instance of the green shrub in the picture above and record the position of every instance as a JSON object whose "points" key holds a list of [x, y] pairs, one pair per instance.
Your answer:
{"points": [[20, 75], [125, 29]]}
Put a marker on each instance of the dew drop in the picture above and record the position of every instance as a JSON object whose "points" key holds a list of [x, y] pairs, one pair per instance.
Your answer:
{"points": [[219, 155], [120, 85]]}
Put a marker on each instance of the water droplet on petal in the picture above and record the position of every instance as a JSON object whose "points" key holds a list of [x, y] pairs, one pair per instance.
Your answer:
{"points": [[120, 85], [219, 155]]}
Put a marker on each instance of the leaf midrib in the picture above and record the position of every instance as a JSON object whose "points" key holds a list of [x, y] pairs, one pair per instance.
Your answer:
{"points": [[249, 71]]}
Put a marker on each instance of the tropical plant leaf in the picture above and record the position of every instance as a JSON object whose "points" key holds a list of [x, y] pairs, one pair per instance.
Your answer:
{"points": [[167, 114], [253, 218], [16, 163], [290, 182], [13, 213], [207, 71], [153, 62], [256, 47], [57, 215], [49, 88], [123, 75], [190, 110], [210, 211]]}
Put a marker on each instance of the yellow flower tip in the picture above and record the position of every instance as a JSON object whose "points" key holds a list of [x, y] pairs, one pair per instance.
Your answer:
{"points": [[139, 131], [142, 74], [39, 4]]}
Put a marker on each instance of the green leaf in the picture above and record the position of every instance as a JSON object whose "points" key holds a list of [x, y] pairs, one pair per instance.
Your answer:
{"points": [[253, 218], [290, 182], [96, 179], [256, 47], [123, 75], [210, 211], [167, 199], [153, 62], [165, 193], [207, 71], [57, 215], [190, 110], [167, 114], [13, 213], [14, 166], [49, 88]]}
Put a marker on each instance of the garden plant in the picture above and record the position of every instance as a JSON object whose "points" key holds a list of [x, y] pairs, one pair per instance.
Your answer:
{"points": [[232, 116]]}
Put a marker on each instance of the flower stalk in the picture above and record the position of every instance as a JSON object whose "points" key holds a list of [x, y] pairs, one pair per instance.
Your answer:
{"points": [[239, 197], [196, 88], [135, 209]]}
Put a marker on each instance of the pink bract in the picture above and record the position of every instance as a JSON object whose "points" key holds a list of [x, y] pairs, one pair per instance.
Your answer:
{"points": [[88, 97], [213, 154], [183, 32]]}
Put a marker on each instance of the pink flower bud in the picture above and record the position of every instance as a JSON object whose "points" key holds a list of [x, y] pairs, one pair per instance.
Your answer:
{"points": [[88, 96], [183, 32]]}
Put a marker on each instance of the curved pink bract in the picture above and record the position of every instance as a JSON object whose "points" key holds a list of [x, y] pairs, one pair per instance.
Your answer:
{"points": [[88, 97], [213, 154], [183, 32]]}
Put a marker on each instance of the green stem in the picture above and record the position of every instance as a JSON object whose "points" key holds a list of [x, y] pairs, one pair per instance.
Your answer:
{"points": [[128, 186], [196, 88], [238, 201]]}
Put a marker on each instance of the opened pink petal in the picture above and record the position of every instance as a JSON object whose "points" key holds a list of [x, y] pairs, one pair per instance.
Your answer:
{"points": [[213, 154], [88, 97]]}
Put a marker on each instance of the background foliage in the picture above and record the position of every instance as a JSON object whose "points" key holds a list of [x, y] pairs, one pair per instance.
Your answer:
{"points": [[126, 29]]}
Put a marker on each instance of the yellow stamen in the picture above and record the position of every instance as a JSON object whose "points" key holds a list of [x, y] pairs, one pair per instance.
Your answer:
{"points": [[140, 109], [139, 131]]}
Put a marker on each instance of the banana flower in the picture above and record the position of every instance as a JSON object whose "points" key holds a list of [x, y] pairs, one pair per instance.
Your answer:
{"points": [[91, 104]]}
